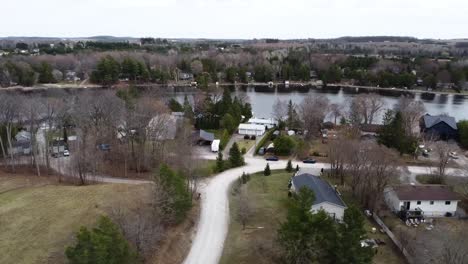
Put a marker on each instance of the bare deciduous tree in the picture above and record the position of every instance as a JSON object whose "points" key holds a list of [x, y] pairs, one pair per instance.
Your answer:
{"points": [[411, 111], [336, 110], [244, 211], [313, 111], [442, 150], [9, 117], [365, 108], [280, 110]]}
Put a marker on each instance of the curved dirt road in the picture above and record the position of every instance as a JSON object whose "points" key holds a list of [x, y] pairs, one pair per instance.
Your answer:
{"points": [[214, 220]]}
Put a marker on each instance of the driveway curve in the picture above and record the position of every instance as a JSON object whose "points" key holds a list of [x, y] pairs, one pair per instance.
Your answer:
{"points": [[212, 228]]}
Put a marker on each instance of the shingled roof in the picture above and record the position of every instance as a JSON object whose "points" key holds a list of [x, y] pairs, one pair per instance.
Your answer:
{"points": [[425, 193], [430, 121], [322, 190], [207, 136]]}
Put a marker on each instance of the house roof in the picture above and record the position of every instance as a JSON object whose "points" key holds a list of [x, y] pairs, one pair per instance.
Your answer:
{"points": [[430, 121], [266, 121], [425, 193], [252, 127], [323, 191], [206, 135]]}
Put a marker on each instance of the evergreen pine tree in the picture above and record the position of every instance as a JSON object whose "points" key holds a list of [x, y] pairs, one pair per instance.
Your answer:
{"points": [[219, 162], [289, 167], [235, 156], [267, 171]]}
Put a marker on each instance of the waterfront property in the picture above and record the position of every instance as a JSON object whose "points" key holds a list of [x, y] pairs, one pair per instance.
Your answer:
{"points": [[267, 122], [441, 126], [327, 197], [421, 200], [251, 129]]}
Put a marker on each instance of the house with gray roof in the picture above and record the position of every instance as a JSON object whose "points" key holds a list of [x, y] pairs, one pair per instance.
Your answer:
{"points": [[440, 127], [327, 197]]}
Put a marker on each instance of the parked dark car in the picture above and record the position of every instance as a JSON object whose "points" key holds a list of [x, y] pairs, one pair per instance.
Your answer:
{"points": [[272, 158], [309, 161]]}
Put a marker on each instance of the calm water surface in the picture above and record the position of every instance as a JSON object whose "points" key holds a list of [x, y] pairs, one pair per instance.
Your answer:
{"points": [[263, 99]]}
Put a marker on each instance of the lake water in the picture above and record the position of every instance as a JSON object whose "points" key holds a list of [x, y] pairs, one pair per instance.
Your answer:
{"points": [[263, 98]]}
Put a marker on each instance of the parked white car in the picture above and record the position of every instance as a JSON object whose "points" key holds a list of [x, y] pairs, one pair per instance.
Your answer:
{"points": [[66, 153]]}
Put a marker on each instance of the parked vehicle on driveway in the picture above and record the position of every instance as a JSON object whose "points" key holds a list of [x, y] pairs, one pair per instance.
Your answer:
{"points": [[272, 158], [453, 155], [261, 151], [66, 153], [310, 161]]}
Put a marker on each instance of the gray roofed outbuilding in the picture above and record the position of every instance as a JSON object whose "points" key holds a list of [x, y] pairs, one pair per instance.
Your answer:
{"points": [[207, 136], [323, 191]]}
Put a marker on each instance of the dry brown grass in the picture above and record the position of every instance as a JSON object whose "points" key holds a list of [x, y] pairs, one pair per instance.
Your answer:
{"points": [[38, 217]]}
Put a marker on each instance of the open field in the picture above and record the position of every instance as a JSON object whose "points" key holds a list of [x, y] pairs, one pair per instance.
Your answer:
{"points": [[39, 217], [256, 244]]}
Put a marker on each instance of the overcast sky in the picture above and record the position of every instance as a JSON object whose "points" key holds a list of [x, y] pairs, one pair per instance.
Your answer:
{"points": [[235, 18]]}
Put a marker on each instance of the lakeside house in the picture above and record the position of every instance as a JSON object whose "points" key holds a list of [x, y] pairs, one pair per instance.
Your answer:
{"points": [[327, 197], [22, 144], [251, 129], [409, 201], [440, 126]]}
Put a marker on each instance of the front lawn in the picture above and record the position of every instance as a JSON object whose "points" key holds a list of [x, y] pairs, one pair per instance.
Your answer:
{"points": [[245, 143], [257, 243]]}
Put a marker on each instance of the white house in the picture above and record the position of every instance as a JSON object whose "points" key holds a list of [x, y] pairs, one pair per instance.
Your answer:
{"points": [[326, 197], [268, 122], [251, 129], [430, 200]]}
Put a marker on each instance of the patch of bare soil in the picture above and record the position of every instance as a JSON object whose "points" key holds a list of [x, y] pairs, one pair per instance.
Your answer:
{"points": [[176, 245]]}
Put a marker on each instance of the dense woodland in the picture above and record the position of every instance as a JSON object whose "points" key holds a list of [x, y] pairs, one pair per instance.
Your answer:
{"points": [[161, 61]]}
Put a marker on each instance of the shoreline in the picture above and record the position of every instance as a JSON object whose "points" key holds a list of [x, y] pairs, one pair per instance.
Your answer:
{"points": [[272, 85]]}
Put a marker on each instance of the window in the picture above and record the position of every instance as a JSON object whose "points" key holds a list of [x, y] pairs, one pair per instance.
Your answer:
{"points": [[419, 202], [432, 202], [447, 202]]}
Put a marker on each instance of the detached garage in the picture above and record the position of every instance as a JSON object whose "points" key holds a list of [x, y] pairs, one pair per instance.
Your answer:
{"points": [[251, 129]]}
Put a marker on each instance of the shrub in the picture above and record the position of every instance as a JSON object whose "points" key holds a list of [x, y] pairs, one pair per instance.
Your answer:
{"points": [[246, 137], [253, 137], [243, 151], [284, 145], [316, 154]]}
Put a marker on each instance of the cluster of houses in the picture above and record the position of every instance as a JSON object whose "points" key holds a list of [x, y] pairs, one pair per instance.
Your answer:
{"points": [[407, 201]]}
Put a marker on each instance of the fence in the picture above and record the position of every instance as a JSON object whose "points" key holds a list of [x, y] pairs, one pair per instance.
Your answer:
{"points": [[397, 243]]}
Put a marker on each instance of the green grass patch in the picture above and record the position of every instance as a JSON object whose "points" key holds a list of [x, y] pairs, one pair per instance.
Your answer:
{"points": [[39, 221], [256, 244], [206, 168], [245, 143]]}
